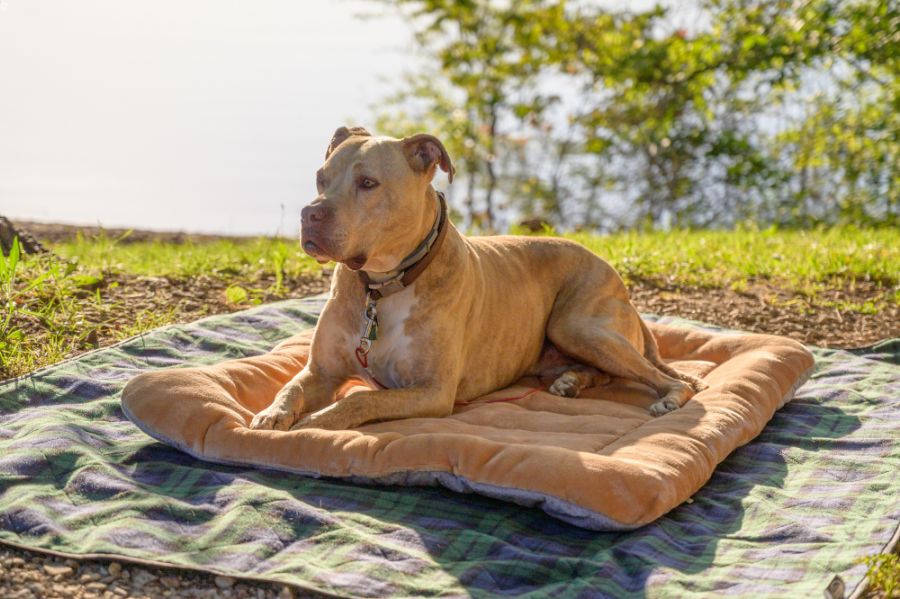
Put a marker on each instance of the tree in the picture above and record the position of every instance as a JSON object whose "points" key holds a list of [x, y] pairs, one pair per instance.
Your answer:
{"points": [[783, 112]]}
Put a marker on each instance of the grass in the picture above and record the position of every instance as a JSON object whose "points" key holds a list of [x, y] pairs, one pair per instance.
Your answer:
{"points": [[796, 260], [244, 259], [55, 305], [801, 261]]}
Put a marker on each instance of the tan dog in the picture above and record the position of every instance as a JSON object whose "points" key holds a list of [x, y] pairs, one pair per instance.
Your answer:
{"points": [[481, 314]]}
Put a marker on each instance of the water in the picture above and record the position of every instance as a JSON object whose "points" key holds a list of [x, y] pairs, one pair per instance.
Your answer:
{"points": [[204, 116]]}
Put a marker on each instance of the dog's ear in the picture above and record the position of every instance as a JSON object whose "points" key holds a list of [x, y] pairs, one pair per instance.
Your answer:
{"points": [[341, 135], [424, 151]]}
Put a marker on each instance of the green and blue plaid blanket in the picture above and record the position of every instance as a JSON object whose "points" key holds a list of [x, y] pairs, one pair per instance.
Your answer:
{"points": [[816, 491]]}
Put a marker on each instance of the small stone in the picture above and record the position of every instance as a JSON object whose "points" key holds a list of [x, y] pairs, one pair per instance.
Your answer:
{"points": [[57, 570], [15, 562], [98, 587], [114, 568], [72, 563], [170, 582], [224, 582], [93, 339], [142, 577], [286, 592]]}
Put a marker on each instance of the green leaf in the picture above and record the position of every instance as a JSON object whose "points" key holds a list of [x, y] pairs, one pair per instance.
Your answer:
{"points": [[13, 261], [86, 280], [235, 294]]}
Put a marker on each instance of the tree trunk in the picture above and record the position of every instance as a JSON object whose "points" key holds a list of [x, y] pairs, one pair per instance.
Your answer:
{"points": [[492, 175]]}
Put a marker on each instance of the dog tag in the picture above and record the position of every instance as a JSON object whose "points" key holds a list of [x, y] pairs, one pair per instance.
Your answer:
{"points": [[371, 332], [371, 329]]}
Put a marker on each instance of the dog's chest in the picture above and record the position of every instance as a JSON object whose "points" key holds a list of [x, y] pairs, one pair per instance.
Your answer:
{"points": [[391, 351]]}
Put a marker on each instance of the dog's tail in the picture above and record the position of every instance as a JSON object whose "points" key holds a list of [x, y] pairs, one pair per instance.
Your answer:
{"points": [[651, 352]]}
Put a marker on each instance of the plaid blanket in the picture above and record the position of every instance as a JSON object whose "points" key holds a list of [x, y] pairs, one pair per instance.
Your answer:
{"points": [[783, 514]]}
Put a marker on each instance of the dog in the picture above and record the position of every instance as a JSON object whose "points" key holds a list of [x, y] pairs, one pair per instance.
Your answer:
{"points": [[429, 317]]}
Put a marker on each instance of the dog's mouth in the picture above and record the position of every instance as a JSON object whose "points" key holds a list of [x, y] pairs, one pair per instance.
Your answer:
{"points": [[322, 255], [316, 251], [356, 262]]}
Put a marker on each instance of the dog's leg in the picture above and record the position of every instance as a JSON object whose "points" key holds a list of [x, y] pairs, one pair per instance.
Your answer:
{"points": [[651, 351], [372, 406], [595, 340], [575, 379], [310, 390]]}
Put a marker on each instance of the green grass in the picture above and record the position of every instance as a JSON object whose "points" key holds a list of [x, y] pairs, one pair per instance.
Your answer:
{"points": [[65, 298], [248, 258], [796, 260]]}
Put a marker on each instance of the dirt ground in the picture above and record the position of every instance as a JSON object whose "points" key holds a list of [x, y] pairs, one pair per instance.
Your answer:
{"points": [[762, 308]]}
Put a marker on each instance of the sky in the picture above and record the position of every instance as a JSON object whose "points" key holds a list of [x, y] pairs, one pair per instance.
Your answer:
{"points": [[207, 116], [190, 115]]}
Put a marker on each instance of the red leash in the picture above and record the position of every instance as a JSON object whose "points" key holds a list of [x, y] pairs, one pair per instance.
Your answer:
{"points": [[363, 358]]}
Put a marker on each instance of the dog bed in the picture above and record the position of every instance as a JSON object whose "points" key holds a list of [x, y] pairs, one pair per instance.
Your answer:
{"points": [[599, 461]]}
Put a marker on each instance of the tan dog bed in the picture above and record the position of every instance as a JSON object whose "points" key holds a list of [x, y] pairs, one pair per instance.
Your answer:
{"points": [[599, 461]]}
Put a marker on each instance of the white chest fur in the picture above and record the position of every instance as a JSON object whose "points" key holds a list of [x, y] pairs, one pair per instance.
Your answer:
{"points": [[393, 348]]}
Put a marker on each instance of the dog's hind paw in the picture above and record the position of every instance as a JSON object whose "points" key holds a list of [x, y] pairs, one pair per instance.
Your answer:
{"points": [[663, 406], [567, 385]]}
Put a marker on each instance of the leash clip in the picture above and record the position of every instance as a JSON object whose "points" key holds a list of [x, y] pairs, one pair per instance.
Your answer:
{"points": [[370, 332]]}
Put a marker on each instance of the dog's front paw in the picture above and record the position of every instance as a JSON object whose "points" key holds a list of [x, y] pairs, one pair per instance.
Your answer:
{"points": [[282, 413], [663, 406]]}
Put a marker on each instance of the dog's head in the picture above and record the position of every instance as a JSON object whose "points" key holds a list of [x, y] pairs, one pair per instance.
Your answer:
{"points": [[372, 204]]}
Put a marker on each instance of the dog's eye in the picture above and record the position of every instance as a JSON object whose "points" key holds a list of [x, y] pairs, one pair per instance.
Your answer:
{"points": [[367, 183]]}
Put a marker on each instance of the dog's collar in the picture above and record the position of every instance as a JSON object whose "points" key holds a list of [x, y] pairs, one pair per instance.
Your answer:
{"points": [[415, 263]]}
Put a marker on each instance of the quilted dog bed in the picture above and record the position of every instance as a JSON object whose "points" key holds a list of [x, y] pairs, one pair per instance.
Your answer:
{"points": [[600, 461]]}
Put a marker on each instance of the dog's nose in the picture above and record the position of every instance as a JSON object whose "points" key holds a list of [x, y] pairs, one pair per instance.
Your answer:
{"points": [[314, 213]]}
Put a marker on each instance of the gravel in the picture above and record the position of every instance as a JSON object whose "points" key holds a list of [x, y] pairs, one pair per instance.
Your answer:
{"points": [[31, 575]]}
